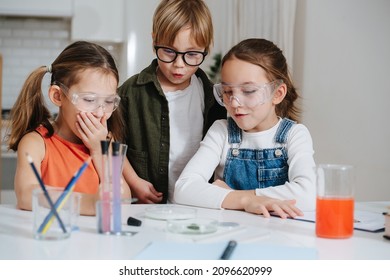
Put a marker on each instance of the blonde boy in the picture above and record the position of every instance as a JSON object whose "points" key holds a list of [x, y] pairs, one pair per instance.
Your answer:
{"points": [[169, 106]]}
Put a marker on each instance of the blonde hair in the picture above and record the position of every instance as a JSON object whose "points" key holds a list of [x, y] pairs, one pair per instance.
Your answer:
{"points": [[172, 15], [30, 110]]}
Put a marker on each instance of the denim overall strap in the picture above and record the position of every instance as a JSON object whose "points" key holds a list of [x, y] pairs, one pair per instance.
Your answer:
{"points": [[247, 169], [234, 132], [283, 129], [234, 137]]}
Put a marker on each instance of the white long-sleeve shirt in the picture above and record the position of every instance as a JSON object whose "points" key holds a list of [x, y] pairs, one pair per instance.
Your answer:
{"points": [[192, 187]]}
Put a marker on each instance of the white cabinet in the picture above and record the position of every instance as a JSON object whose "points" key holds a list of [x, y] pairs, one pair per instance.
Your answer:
{"points": [[38, 8], [98, 20]]}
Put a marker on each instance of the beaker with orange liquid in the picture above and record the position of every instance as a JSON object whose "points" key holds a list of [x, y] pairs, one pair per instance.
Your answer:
{"points": [[335, 201]]}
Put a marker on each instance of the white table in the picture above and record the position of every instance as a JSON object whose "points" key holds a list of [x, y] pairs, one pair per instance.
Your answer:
{"points": [[17, 242]]}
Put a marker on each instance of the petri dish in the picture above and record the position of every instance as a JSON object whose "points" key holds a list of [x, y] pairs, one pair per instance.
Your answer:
{"points": [[169, 212], [192, 226], [228, 225]]}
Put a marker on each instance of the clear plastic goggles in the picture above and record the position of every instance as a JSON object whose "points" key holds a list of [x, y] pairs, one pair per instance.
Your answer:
{"points": [[91, 102], [246, 95]]}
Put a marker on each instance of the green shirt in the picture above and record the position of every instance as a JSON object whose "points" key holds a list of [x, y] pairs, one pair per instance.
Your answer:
{"points": [[146, 115]]}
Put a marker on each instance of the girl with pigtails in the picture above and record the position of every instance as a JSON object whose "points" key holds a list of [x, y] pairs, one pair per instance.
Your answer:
{"points": [[83, 85]]}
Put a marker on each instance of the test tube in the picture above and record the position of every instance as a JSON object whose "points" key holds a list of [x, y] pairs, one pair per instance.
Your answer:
{"points": [[116, 188], [105, 188]]}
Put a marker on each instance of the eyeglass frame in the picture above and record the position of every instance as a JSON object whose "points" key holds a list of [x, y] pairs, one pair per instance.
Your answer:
{"points": [[76, 95], [183, 54], [219, 96]]}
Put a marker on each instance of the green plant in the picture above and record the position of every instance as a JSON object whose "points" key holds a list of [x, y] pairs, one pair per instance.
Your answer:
{"points": [[214, 72]]}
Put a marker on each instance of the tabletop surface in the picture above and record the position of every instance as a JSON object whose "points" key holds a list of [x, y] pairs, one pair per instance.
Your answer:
{"points": [[17, 242]]}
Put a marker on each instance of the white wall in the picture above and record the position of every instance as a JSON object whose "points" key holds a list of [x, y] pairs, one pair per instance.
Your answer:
{"points": [[138, 34], [26, 44], [342, 56], [29, 42]]}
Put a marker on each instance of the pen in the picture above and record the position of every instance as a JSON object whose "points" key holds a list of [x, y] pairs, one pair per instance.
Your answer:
{"points": [[228, 250], [53, 209]]}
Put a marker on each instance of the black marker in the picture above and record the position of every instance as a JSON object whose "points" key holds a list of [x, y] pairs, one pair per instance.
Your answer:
{"points": [[228, 250]]}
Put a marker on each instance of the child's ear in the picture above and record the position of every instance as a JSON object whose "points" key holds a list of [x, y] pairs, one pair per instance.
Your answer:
{"points": [[55, 95], [279, 94]]}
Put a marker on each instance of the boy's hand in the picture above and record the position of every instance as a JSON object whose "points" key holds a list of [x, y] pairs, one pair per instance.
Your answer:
{"points": [[145, 192]]}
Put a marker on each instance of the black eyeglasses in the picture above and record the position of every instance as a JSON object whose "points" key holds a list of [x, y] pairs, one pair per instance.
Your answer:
{"points": [[168, 55]]}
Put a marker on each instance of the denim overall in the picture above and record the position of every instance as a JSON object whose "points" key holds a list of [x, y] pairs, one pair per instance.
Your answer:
{"points": [[248, 169]]}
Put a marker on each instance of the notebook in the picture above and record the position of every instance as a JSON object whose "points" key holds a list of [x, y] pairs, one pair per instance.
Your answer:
{"points": [[364, 220], [170, 250]]}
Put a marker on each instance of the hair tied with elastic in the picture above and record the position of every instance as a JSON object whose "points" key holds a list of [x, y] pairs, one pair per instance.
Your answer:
{"points": [[48, 69]]}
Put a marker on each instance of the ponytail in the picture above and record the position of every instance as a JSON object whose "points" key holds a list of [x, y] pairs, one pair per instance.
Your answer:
{"points": [[29, 110]]}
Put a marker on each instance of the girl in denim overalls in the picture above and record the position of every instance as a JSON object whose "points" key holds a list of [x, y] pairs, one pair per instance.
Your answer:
{"points": [[262, 159]]}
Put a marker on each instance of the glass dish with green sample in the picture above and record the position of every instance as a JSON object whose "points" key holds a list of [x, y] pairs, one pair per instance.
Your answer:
{"points": [[192, 226]]}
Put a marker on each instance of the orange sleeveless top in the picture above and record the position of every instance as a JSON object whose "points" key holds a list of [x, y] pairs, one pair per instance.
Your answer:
{"points": [[62, 159]]}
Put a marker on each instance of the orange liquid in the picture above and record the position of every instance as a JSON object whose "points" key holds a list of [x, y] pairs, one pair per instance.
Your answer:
{"points": [[334, 217]]}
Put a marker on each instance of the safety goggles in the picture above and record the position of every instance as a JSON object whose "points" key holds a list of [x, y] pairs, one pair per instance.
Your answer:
{"points": [[246, 95], [91, 102]]}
